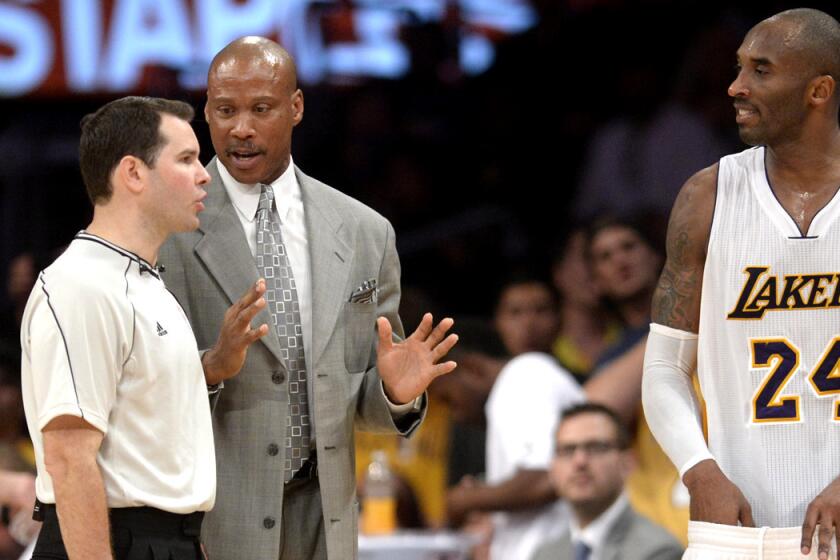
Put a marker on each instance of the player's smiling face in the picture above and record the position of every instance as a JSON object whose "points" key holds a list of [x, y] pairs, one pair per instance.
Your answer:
{"points": [[770, 89]]}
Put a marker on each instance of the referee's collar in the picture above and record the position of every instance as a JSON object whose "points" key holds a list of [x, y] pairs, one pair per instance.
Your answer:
{"points": [[144, 265]]}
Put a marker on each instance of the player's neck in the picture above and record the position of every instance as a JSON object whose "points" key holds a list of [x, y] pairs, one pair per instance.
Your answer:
{"points": [[125, 231], [805, 160]]}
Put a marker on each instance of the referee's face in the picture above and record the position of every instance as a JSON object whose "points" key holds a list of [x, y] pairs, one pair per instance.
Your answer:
{"points": [[175, 187]]}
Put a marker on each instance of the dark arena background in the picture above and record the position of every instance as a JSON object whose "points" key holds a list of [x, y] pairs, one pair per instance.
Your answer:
{"points": [[481, 128]]}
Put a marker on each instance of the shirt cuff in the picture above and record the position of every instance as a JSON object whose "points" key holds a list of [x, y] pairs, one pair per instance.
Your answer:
{"points": [[400, 409]]}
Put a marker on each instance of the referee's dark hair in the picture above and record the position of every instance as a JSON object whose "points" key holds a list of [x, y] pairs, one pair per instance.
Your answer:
{"points": [[129, 126]]}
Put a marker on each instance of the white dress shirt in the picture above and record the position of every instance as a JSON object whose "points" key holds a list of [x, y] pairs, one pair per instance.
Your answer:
{"points": [[521, 413], [288, 204], [596, 532]]}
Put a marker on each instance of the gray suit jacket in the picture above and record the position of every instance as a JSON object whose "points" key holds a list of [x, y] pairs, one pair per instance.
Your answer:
{"points": [[209, 269], [632, 537]]}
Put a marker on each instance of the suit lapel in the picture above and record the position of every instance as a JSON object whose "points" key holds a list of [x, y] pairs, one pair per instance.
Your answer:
{"points": [[224, 250], [331, 255]]}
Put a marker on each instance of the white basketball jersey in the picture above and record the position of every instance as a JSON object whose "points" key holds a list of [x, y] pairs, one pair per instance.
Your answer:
{"points": [[769, 347]]}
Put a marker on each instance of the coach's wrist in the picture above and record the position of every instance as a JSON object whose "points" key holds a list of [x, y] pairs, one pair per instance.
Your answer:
{"points": [[213, 375]]}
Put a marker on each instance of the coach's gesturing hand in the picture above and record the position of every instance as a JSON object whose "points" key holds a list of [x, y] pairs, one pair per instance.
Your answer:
{"points": [[227, 356], [407, 367], [824, 510], [714, 498]]}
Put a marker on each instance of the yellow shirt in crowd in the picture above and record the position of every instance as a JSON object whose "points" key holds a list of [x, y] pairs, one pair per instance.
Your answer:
{"points": [[421, 460]]}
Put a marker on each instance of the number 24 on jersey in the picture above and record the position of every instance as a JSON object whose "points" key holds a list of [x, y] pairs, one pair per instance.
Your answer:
{"points": [[782, 357]]}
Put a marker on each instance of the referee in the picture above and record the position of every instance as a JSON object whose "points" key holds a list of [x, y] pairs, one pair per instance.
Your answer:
{"points": [[114, 388]]}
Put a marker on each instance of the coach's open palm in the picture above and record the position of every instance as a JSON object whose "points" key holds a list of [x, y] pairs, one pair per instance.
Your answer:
{"points": [[407, 367], [714, 498]]}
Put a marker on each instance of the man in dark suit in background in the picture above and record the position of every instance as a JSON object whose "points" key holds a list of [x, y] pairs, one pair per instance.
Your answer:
{"points": [[284, 426]]}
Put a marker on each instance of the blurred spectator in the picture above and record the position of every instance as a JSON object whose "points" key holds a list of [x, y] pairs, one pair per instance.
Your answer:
{"points": [[591, 463], [625, 260], [465, 392], [17, 484], [637, 161], [586, 328], [419, 463], [450, 442], [17, 497], [15, 447], [526, 315], [521, 413], [19, 281], [22, 272]]}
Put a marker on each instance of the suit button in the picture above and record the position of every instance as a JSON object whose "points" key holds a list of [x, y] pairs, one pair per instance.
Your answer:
{"points": [[277, 377], [273, 449], [268, 522]]}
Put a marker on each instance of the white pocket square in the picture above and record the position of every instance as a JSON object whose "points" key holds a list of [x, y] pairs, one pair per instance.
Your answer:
{"points": [[368, 292]]}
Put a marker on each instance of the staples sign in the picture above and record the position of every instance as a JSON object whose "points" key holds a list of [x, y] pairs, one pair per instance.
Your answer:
{"points": [[60, 47]]}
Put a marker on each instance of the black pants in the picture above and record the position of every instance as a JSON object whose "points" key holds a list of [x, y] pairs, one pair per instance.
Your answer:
{"points": [[140, 533]]}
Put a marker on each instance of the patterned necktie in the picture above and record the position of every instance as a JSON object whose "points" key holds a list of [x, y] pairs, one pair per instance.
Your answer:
{"points": [[281, 296], [582, 551]]}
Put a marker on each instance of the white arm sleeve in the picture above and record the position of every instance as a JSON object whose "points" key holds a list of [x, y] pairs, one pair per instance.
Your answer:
{"points": [[668, 397]]}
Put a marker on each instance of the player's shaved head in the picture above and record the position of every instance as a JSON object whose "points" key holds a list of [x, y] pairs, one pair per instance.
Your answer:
{"points": [[814, 36], [255, 51]]}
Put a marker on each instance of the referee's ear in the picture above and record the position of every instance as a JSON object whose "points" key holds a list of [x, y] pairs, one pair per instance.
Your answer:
{"points": [[129, 174]]}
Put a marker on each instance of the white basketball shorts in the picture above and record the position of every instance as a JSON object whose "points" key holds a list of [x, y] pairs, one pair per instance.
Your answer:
{"points": [[710, 541]]}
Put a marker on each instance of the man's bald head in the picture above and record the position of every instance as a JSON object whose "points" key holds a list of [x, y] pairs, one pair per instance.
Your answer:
{"points": [[255, 51], [814, 36], [253, 103]]}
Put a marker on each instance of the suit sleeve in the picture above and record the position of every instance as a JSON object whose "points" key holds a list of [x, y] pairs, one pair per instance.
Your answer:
{"points": [[372, 413]]}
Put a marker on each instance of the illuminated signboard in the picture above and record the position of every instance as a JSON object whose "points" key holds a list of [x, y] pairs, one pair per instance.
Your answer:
{"points": [[60, 47]]}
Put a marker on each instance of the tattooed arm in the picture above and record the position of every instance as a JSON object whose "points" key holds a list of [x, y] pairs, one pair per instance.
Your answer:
{"points": [[671, 357], [676, 301]]}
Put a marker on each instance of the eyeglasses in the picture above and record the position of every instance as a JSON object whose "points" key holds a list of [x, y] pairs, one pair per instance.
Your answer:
{"points": [[592, 448]]}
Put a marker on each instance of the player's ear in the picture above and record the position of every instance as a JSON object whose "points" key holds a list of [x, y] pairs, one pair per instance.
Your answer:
{"points": [[821, 89]]}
